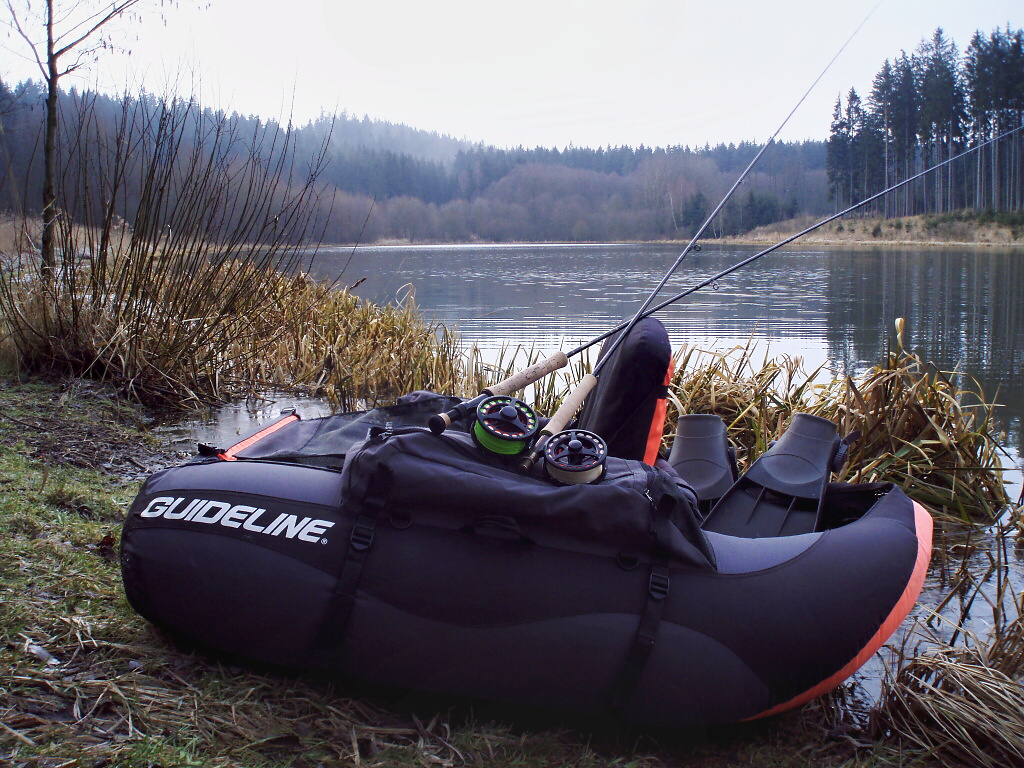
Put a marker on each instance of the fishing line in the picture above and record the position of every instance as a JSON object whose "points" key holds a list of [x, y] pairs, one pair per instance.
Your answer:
{"points": [[740, 264], [359, 239], [441, 421], [560, 420], [568, 409]]}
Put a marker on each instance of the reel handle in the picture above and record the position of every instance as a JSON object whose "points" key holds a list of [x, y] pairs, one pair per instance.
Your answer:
{"points": [[558, 422], [439, 422]]}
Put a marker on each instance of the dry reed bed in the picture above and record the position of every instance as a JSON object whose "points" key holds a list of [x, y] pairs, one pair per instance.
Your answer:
{"points": [[954, 687], [918, 427], [209, 330], [188, 324], [961, 704], [178, 323], [91, 681], [933, 434], [195, 293]]}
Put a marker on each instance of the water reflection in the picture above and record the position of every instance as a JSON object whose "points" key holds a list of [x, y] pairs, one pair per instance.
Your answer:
{"points": [[234, 422]]}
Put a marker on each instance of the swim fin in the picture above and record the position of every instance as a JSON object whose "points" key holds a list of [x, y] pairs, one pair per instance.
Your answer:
{"points": [[701, 455], [781, 493]]}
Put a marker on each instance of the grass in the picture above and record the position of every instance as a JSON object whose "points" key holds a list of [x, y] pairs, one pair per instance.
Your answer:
{"points": [[244, 331], [975, 228], [931, 432], [197, 294], [203, 299], [87, 682], [754, 395]]}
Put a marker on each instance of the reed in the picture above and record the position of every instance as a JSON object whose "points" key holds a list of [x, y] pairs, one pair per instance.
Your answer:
{"points": [[87, 681], [754, 394], [347, 350], [249, 331], [933, 433], [962, 704], [954, 698]]}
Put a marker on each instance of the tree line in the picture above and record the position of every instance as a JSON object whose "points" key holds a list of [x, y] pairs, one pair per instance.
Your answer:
{"points": [[925, 108], [550, 195], [384, 181]]}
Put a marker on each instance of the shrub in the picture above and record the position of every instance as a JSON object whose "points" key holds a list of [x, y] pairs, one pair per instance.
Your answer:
{"points": [[202, 297]]}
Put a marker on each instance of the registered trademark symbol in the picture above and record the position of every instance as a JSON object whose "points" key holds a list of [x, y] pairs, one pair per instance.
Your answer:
{"points": [[323, 541]]}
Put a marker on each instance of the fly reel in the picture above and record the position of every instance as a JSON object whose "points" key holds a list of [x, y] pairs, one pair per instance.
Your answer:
{"points": [[575, 457], [504, 426]]}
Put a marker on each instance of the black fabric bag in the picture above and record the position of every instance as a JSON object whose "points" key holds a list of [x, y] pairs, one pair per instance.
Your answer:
{"points": [[447, 482]]}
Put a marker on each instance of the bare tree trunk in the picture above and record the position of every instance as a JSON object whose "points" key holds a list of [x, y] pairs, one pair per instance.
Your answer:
{"points": [[950, 176], [979, 180], [996, 171], [49, 255], [1017, 192], [885, 200]]}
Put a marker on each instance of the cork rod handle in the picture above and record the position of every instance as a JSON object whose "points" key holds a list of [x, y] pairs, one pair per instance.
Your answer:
{"points": [[529, 375]]}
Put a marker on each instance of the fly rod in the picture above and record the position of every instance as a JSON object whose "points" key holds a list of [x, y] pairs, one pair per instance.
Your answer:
{"points": [[692, 245], [574, 401], [496, 399]]}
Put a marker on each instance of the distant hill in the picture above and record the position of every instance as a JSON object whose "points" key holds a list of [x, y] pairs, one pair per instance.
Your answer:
{"points": [[365, 133], [409, 184]]}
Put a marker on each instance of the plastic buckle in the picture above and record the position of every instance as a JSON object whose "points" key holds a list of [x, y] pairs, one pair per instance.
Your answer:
{"points": [[362, 537], [377, 432], [658, 585]]}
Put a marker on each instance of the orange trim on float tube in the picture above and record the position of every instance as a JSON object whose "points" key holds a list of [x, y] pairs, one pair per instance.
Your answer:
{"points": [[658, 422], [923, 526], [229, 454]]}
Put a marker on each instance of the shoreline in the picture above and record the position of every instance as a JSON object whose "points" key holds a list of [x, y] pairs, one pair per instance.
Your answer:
{"points": [[926, 231], [930, 230], [738, 240]]}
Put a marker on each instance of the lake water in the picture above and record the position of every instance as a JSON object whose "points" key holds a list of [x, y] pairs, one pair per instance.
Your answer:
{"points": [[962, 309]]}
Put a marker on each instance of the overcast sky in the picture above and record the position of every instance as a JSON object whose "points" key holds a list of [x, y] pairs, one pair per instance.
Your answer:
{"points": [[539, 72]]}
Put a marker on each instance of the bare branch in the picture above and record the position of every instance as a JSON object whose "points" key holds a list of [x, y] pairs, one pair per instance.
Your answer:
{"points": [[116, 10], [24, 36]]}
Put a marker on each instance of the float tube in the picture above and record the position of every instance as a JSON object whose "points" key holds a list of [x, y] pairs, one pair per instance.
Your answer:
{"points": [[418, 560]]}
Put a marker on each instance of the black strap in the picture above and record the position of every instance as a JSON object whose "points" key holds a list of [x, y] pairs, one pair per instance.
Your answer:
{"points": [[339, 610], [662, 505], [643, 643]]}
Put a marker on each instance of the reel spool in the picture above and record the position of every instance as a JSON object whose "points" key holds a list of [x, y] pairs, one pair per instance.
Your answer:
{"points": [[575, 457], [504, 426]]}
